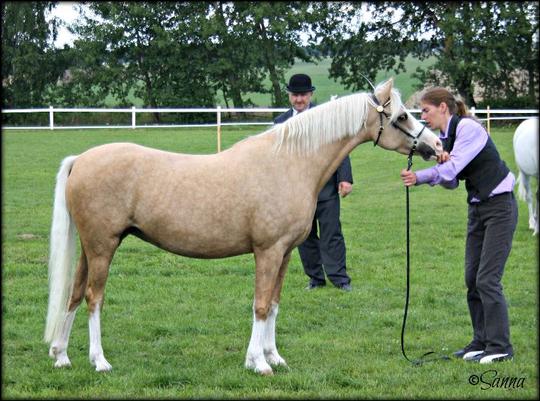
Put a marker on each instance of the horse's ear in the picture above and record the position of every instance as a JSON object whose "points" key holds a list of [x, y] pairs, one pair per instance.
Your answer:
{"points": [[383, 91]]}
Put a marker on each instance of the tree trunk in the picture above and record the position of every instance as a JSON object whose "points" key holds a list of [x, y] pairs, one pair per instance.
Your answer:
{"points": [[278, 99]]}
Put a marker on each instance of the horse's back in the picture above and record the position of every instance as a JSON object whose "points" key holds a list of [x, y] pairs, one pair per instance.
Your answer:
{"points": [[525, 143], [117, 186], [195, 205]]}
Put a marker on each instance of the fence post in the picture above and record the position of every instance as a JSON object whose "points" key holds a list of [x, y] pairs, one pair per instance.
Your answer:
{"points": [[219, 129], [133, 121], [51, 118], [473, 111], [488, 123]]}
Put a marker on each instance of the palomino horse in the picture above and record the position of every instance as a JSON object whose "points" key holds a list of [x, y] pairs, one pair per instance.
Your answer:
{"points": [[259, 197], [526, 155]]}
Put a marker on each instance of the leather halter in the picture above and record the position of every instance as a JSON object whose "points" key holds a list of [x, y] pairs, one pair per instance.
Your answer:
{"points": [[380, 110]]}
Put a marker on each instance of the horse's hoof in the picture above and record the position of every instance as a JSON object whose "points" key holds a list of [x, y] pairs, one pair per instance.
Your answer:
{"points": [[62, 363], [100, 363], [261, 367], [267, 372], [60, 357], [275, 359], [103, 366]]}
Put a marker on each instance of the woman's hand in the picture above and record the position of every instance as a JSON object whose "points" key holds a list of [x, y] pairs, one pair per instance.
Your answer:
{"points": [[408, 177], [444, 156]]}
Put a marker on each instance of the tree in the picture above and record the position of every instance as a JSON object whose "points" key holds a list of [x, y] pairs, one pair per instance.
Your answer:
{"points": [[234, 66], [474, 43], [27, 48], [251, 40], [183, 53], [511, 67], [278, 28], [154, 49]]}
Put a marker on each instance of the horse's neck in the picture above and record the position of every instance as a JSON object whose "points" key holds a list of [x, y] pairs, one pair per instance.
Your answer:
{"points": [[323, 163]]}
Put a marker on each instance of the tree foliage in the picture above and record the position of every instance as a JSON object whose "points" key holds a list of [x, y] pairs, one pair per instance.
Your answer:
{"points": [[148, 50], [273, 33], [489, 45], [174, 54], [183, 53], [28, 65]]}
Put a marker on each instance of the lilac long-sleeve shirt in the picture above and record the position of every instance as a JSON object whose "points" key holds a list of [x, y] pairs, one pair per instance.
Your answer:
{"points": [[471, 138]]}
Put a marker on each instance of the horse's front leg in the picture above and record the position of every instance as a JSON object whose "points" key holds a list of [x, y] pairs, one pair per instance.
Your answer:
{"points": [[268, 263], [270, 350], [271, 354]]}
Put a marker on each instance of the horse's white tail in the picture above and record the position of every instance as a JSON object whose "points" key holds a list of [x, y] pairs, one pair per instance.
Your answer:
{"points": [[522, 190], [61, 255]]}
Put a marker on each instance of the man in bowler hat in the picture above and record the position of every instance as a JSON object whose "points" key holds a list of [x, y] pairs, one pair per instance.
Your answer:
{"points": [[324, 254]]}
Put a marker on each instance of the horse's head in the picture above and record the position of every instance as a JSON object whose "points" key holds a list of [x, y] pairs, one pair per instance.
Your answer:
{"points": [[393, 127]]}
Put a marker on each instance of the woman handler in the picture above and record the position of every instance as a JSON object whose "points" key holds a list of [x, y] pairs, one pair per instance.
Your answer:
{"points": [[471, 155]]}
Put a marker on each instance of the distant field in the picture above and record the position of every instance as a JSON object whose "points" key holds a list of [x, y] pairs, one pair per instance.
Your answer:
{"points": [[325, 86]]}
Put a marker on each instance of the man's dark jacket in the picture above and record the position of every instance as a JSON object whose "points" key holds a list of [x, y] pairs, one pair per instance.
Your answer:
{"points": [[343, 173]]}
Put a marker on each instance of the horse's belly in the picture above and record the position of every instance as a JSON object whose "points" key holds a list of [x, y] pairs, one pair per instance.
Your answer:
{"points": [[198, 242]]}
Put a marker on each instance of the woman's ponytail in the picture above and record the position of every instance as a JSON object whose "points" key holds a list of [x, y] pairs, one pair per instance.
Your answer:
{"points": [[461, 109]]}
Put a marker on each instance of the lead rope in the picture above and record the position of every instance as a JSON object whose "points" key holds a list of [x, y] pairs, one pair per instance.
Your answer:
{"points": [[421, 360]]}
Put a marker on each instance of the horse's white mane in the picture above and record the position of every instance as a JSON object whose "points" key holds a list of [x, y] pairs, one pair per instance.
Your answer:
{"points": [[331, 121]]}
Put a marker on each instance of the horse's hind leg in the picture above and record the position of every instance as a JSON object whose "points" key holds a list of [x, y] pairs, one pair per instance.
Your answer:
{"points": [[59, 346], [530, 202], [268, 264], [98, 271], [536, 212], [269, 346]]}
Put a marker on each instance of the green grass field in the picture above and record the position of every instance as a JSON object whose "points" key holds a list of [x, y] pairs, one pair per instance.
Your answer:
{"points": [[175, 327]]}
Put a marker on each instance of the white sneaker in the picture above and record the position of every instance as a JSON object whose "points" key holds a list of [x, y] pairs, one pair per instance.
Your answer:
{"points": [[470, 355], [496, 358]]}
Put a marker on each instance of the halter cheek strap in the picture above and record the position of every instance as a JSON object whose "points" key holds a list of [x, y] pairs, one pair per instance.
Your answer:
{"points": [[380, 110]]}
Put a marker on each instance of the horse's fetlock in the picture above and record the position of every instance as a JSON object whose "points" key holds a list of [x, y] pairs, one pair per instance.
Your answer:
{"points": [[261, 313], [56, 350]]}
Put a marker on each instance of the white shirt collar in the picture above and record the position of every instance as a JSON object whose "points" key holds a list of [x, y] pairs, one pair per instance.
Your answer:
{"points": [[295, 112]]}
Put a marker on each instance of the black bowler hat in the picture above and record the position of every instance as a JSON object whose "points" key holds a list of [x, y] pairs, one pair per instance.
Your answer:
{"points": [[300, 83]]}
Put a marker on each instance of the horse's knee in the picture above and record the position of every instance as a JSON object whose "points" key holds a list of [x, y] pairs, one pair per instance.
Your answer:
{"points": [[261, 312]]}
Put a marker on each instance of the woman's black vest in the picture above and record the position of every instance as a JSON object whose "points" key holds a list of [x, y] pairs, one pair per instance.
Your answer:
{"points": [[484, 172]]}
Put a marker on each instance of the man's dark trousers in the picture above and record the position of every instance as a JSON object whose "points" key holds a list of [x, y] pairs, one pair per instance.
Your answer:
{"points": [[331, 252]]}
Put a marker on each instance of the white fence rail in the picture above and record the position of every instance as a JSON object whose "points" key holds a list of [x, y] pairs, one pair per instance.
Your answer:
{"points": [[134, 111], [489, 115]]}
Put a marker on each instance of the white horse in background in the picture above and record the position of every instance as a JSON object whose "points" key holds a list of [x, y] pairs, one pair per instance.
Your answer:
{"points": [[526, 156]]}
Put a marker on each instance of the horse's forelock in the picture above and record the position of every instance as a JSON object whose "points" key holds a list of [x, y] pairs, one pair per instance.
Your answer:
{"points": [[395, 104]]}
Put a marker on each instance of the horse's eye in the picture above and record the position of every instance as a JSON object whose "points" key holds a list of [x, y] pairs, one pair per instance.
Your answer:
{"points": [[402, 117]]}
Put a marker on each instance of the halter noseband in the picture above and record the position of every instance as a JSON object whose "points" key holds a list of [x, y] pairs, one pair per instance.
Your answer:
{"points": [[380, 110]]}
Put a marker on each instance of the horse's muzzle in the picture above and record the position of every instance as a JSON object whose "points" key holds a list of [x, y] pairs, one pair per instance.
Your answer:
{"points": [[426, 151]]}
